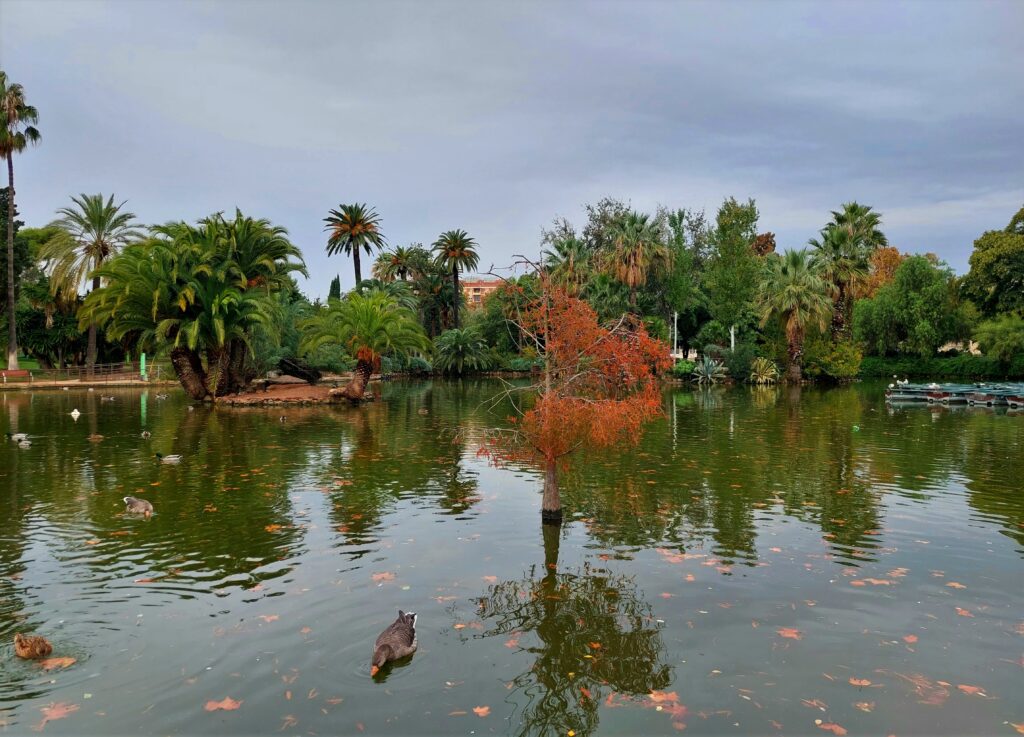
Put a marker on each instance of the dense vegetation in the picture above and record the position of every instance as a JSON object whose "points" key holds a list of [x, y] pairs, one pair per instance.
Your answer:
{"points": [[217, 297]]}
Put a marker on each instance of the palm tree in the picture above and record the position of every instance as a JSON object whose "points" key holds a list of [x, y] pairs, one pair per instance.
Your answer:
{"points": [[17, 130], [863, 225], [844, 268], [368, 326], [90, 233], [635, 250], [568, 262], [457, 351], [353, 227], [396, 264], [455, 250], [793, 291]]}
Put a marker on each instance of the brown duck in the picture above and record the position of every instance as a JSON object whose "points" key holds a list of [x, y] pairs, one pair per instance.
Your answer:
{"points": [[135, 505], [395, 642], [31, 647]]}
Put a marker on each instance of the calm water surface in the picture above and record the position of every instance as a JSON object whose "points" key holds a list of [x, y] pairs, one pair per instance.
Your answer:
{"points": [[765, 562]]}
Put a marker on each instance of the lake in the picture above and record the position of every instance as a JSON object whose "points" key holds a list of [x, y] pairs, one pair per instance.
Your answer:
{"points": [[765, 561]]}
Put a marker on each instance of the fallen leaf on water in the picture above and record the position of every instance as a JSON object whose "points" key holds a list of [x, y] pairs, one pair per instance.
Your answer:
{"points": [[459, 626], [832, 727], [659, 697], [458, 713], [512, 643], [971, 690], [666, 595], [955, 585], [385, 576], [595, 646], [272, 528], [94, 541], [814, 704], [1018, 727], [964, 612], [289, 721], [868, 706], [910, 639], [53, 712], [790, 633], [54, 663], [228, 704], [690, 577], [481, 711], [146, 580], [305, 630], [491, 579], [860, 682], [268, 618]]}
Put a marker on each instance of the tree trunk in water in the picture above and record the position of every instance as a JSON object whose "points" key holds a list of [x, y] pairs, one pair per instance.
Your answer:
{"points": [[12, 332], [356, 388], [190, 372], [552, 536], [796, 355], [233, 377], [90, 351], [355, 262], [456, 297], [551, 502]]}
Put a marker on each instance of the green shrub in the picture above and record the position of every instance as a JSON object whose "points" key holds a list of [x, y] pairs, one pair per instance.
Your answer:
{"points": [[524, 364], [962, 367], [683, 370], [763, 371], [739, 361], [836, 361]]}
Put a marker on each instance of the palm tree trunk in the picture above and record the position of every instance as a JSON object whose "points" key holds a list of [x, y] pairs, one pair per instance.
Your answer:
{"points": [[355, 263], [456, 296], [551, 502], [796, 356], [356, 388], [12, 332], [90, 351], [190, 372]]}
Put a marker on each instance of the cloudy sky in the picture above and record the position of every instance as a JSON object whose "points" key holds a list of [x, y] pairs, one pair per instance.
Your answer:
{"points": [[497, 116]]}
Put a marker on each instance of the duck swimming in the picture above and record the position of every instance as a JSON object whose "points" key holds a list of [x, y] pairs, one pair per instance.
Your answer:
{"points": [[397, 641], [75, 413], [17, 437], [168, 459], [31, 647], [135, 505]]}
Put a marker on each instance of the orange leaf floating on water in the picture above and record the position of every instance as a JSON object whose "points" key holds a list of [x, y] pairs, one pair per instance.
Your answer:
{"points": [[831, 727], [481, 711], [955, 585], [595, 646], [860, 682], [1018, 727], [964, 612], [228, 704], [928, 692], [146, 580], [272, 528], [872, 581], [459, 626], [53, 712], [54, 663], [971, 690], [791, 633], [814, 704], [385, 576], [268, 618], [910, 639], [666, 595], [690, 578], [94, 541], [660, 697], [491, 579], [305, 630], [458, 713], [867, 706], [512, 643]]}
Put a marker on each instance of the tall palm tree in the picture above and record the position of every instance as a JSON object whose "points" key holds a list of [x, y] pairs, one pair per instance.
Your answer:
{"points": [[863, 225], [368, 326], [456, 250], [568, 260], [17, 130], [794, 292], [353, 227], [636, 248], [90, 234], [841, 263]]}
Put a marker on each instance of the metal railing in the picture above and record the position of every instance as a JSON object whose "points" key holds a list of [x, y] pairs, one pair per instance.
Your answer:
{"points": [[101, 373]]}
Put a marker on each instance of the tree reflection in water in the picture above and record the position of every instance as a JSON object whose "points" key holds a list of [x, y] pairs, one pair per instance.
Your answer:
{"points": [[596, 637]]}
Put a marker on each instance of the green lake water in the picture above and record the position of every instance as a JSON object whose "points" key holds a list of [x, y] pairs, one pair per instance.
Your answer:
{"points": [[764, 562]]}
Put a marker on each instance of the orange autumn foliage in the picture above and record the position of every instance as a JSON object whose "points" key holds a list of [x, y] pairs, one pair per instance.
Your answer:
{"points": [[882, 267], [599, 382]]}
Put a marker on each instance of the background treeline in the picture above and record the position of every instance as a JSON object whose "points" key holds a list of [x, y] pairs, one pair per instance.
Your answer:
{"points": [[218, 297]]}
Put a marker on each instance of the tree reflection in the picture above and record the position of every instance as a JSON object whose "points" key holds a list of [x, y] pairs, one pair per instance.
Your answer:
{"points": [[596, 637]]}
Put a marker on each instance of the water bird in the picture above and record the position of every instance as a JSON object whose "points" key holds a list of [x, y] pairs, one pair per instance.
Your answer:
{"points": [[25, 444], [191, 408], [75, 413], [17, 437], [146, 434], [134, 505], [282, 418], [902, 382], [106, 399], [397, 641], [161, 396], [31, 647], [173, 458]]}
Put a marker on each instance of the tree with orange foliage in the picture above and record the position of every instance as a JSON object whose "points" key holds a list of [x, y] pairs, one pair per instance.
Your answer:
{"points": [[599, 386], [882, 269]]}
